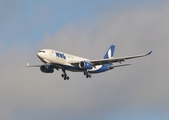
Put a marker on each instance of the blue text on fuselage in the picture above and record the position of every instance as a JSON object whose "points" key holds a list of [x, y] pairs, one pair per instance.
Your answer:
{"points": [[60, 55]]}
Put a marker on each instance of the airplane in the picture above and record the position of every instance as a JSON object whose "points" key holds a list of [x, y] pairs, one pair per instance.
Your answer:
{"points": [[53, 59]]}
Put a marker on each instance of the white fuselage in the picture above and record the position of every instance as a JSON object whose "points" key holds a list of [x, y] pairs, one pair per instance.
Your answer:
{"points": [[61, 59]]}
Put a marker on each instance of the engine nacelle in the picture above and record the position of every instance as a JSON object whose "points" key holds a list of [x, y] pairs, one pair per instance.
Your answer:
{"points": [[46, 69], [85, 65]]}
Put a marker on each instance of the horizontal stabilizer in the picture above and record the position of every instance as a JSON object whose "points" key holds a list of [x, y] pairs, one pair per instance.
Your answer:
{"points": [[122, 65]]}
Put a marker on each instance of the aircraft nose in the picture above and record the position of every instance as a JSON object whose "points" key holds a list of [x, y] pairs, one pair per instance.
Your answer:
{"points": [[39, 54]]}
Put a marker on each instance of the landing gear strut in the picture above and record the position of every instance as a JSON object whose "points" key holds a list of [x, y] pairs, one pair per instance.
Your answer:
{"points": [[64, 75], [87, 74]]}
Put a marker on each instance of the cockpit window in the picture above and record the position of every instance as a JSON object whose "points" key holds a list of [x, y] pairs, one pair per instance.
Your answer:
{"points": [[42, 51]]}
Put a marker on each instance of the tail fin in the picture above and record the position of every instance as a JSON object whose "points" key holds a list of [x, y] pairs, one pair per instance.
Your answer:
{"points": [[110, 52]]}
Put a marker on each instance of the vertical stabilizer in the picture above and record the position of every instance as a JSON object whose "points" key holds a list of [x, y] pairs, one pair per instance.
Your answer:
{"points": [[110, 52]]}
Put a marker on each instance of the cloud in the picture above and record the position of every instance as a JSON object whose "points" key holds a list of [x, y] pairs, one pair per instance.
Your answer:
{"points": [[26, 93]]}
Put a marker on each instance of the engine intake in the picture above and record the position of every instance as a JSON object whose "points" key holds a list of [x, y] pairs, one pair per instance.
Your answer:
{"points": [[46, 69], [85, 65]]}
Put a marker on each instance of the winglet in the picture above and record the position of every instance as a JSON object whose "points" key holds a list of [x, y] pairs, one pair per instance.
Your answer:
{"points": [[149, 53], [27, 65]]}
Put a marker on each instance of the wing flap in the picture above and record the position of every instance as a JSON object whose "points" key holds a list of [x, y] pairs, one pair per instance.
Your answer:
{"points": [[106, 61]]}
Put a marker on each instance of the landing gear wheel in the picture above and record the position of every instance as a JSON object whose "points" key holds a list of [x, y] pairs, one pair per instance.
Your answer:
{"points": [[63, 75], [85, 73], [66, 78], [88, 75]]}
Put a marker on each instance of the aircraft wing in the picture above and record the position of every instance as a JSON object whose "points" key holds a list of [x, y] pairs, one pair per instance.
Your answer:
{"points": [[54, 66], [118, 59], [28, 65], [113, 60]]}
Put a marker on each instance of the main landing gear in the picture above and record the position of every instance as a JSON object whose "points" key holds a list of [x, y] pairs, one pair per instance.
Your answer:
{"points": [[64, 75], [87, 74]]}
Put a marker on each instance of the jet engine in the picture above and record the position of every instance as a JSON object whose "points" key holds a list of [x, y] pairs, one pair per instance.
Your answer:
{"points": [[85, 65], [46, 69]]}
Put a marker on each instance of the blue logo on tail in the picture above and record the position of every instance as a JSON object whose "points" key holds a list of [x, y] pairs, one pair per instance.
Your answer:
{"points": [[105, 67], [110, 52]]}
